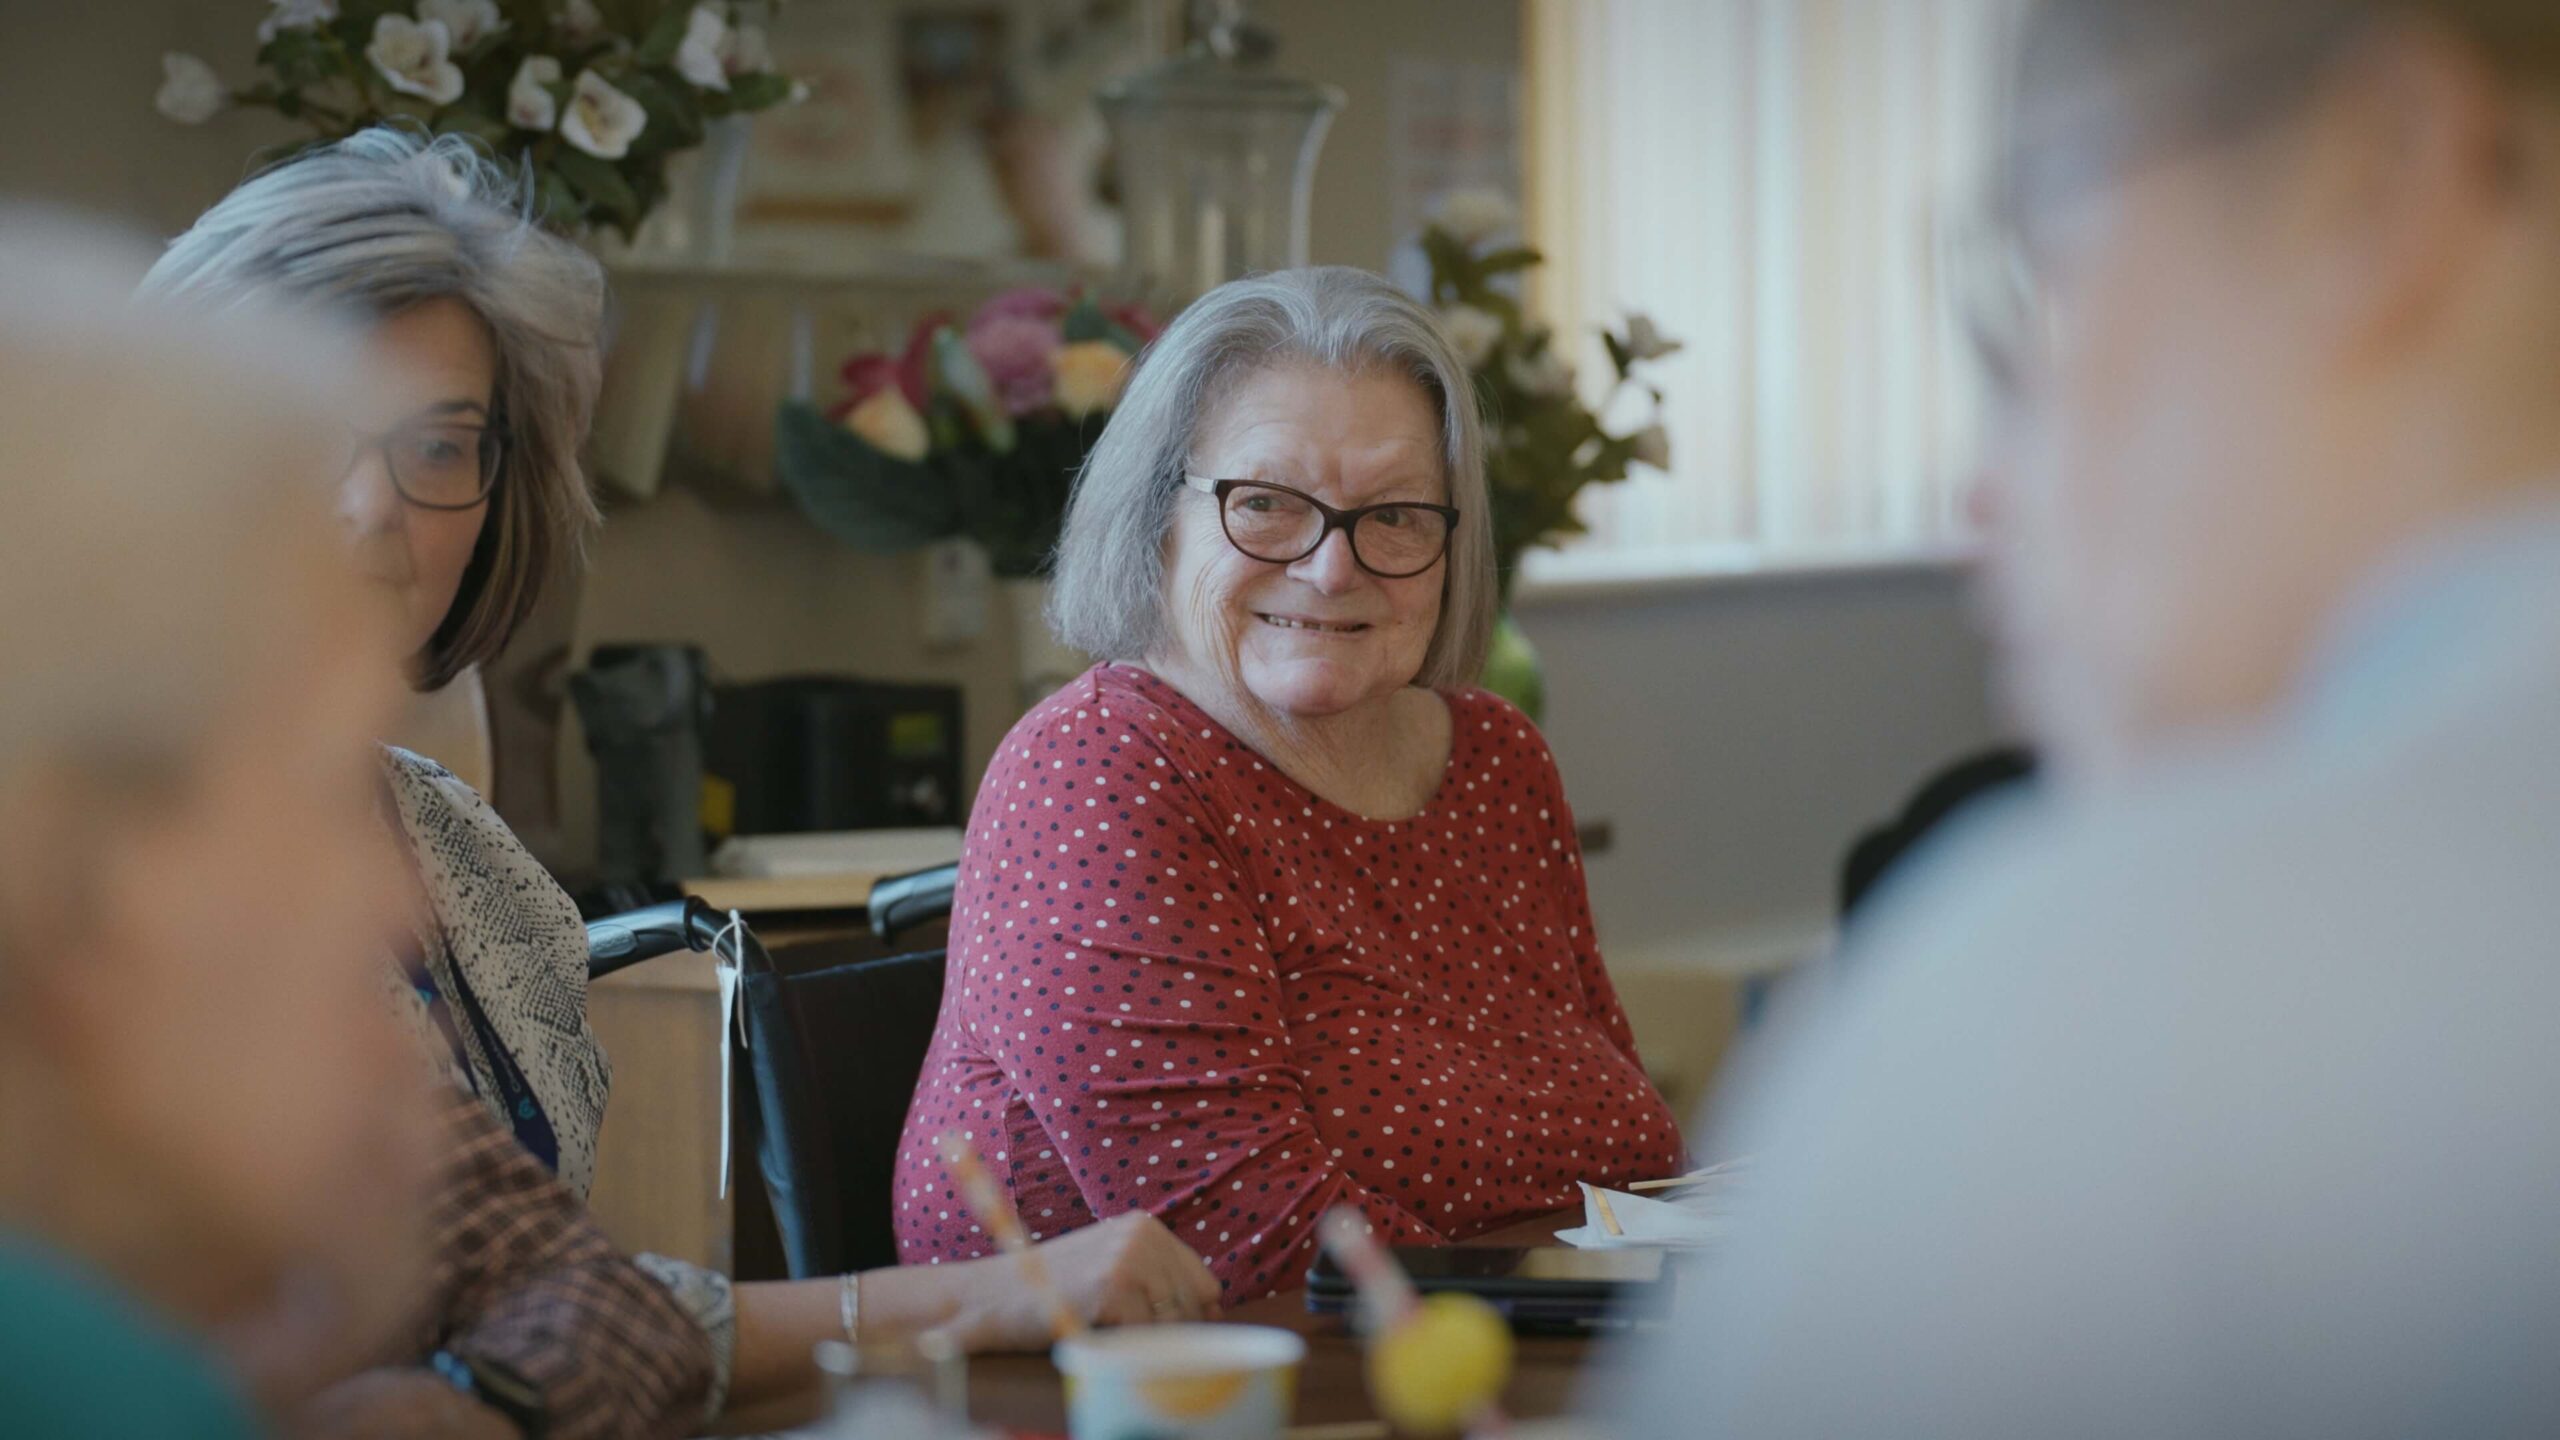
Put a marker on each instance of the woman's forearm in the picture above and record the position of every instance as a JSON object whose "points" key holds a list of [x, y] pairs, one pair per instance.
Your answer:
{"points": [[774, 1381]]}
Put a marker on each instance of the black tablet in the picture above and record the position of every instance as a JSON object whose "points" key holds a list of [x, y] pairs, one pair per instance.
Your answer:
{"points": [[1547, 1287]]}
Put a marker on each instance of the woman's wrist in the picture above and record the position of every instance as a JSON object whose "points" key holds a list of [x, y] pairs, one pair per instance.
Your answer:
{"points": [[905, 1300]]}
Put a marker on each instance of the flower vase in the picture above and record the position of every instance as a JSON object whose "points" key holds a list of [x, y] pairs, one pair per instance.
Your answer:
{"points": [[1513, 670], [1040, 664]]}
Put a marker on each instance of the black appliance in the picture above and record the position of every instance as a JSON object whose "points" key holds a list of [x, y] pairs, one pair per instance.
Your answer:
{"points": [[817, 752]]}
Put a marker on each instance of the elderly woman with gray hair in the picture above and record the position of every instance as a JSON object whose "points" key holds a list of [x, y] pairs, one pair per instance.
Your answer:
{"points": [[462, 492], [1270, 912]]}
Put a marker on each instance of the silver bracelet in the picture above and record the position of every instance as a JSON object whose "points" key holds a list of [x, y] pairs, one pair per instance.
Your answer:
{"points": [[849, 1308]]}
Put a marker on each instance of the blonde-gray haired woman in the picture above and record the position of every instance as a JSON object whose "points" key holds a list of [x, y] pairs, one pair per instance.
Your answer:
{"points": [[463, 497], [1273, 912]]}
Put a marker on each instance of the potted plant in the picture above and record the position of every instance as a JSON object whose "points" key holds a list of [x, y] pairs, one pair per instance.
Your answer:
{"points": [[591, 97], [1543, 443], [973, 429]]}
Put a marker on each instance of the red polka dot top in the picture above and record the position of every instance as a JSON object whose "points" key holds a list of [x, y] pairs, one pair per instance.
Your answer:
{"points": [[1184, 983]]}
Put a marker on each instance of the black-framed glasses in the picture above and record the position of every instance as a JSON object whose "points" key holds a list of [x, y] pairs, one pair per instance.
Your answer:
{"points": [[437, 464], [1278, 525]]}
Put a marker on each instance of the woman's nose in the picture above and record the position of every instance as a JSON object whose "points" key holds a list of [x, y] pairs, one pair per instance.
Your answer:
{"points": [[1331, 567], [368, 503]]}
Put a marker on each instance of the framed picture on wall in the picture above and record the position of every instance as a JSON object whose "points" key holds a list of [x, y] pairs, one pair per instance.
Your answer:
{"points": [[959, 129]]}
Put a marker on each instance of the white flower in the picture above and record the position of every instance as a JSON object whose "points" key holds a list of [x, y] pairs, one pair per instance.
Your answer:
{"points": [[799, 93], [1653, 447], [465, 20], [1545, 375], [416, 57], [602, 120], [295, 15], [530, 105], [1644, 342], [706, 40], [750, 53], [190, 93], [579, 20], [1472, 333], [1472, 217]]}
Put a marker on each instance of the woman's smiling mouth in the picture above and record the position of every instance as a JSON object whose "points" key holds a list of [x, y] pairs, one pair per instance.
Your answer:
{"points": [[1307, 623]]}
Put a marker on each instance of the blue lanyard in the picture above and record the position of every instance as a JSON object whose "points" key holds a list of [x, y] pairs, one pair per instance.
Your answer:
{"points": [[515, 1095]]}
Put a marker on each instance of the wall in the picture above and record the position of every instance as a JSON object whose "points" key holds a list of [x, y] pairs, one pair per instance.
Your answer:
{"points": [[1735, 734], [76, 82], [1355, 44]]}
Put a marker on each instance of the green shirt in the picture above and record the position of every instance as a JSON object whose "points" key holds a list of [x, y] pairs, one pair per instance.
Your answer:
{"points": [[78, 1359]]}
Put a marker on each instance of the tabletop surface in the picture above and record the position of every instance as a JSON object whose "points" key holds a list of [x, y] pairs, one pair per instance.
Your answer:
{"points": [[1022, 1392]]}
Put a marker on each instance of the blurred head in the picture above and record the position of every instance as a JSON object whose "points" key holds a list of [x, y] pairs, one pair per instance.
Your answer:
{"points": [[493, 327], [2292, 301], [198, 1074], [1335, 385]]}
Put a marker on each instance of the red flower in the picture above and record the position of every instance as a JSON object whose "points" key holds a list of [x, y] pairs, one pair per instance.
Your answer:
{"points": [[1131, 316], [873, 371]]}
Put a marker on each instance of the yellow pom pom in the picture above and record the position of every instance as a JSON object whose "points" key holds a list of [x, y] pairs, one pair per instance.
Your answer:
{"points": [[1447, 1361]]}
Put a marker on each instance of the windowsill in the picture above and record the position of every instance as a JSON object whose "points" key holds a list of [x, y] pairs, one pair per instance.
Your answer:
{"points": [[1565, 577]]}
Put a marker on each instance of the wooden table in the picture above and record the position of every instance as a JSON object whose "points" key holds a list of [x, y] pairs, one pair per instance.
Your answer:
{"points": [[1022, 1392]]}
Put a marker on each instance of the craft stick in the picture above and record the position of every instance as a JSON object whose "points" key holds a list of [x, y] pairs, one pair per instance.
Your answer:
{"points": [[987, 1200], [1381, 1283], [1608, 1212]]}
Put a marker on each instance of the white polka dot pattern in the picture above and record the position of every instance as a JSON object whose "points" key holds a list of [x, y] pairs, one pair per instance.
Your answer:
{"points": [[1182, 982]]}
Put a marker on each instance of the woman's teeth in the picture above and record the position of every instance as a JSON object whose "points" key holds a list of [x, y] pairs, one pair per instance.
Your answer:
{"points": [[1287, 624]]}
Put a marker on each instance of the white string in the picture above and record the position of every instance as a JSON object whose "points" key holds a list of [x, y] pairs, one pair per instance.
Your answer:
{"points": [[728, 967]]}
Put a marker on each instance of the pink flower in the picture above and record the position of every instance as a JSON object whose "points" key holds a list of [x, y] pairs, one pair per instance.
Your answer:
{"points": [[1036, 302], [1014, 349]]}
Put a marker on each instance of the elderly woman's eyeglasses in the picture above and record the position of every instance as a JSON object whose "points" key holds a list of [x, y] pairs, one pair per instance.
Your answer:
{"points": [[437, 464], [1279, 526]]}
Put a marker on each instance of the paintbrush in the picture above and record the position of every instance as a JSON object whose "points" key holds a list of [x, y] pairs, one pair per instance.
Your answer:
{"points": [[979, 1189]]}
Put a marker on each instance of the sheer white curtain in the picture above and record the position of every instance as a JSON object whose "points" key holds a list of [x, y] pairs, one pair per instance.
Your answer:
{"points": [[1768, 179]]}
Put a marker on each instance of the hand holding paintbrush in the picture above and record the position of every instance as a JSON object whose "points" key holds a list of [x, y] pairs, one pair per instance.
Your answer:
{"points": [[987, 1201]]}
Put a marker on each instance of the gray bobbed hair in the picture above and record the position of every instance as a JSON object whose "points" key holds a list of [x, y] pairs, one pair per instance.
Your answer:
{"points": [[1109, 600], [387, 219]]}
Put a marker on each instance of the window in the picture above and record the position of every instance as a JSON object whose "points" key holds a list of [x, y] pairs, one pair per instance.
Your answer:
{"points": [[1768, 179]]}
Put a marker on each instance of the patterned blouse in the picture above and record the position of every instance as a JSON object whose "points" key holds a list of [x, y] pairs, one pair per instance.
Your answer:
{"points": [[1181, 982], [498, 996]]}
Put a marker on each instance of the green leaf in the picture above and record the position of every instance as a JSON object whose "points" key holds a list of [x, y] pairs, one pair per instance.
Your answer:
{"points": [[600, 185], [1451, 262], [760, 91], [303, 57], [1085, 321], [1503, 262], [868, 500], [675, 121], [666, 36], [561, 207], [1619, 359], [465, 120], [961, 375]]}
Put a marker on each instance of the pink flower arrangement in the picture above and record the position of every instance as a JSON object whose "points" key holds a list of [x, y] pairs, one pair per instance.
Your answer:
{"points": [[974, 428]]}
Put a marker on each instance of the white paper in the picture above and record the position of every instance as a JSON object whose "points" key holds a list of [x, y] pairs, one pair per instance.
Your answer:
{"points": [[1643, 1223]]}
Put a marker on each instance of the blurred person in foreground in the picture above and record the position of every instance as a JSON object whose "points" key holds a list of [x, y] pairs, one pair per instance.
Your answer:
{"points": [[194, 1078], [2213, 1094]]}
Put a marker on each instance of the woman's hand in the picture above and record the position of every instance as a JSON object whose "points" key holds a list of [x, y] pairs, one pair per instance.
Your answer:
{"points": [[1127, 1270]]}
